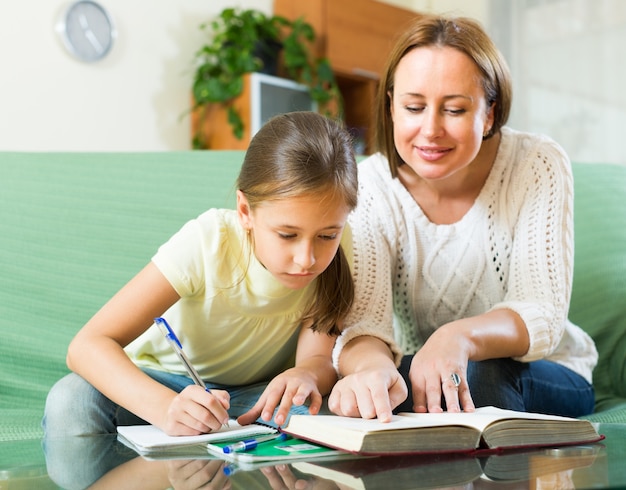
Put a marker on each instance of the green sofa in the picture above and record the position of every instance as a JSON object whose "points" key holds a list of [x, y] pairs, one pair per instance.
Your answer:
{"points": [[74, 227]]}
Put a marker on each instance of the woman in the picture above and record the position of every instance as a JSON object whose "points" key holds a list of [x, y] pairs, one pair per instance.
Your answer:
{"points": [[463, 232]]}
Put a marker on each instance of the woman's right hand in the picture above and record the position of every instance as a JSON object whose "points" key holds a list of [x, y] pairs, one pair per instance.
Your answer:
{"points": [[371, 385], [370, 393], [195, 411]]}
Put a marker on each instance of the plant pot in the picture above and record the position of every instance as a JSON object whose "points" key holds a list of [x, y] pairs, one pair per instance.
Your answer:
{"points": [[268, 52]]}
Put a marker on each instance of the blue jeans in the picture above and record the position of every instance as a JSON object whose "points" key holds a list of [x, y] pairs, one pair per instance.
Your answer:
{"points": [[539, 386], [74, 407]]}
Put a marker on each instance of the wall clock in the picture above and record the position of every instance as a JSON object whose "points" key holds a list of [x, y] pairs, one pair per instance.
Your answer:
{"points": [[87, 30]]}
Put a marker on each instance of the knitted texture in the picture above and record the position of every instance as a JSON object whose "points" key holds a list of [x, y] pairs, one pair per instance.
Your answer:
{"points": [[513, 249]]}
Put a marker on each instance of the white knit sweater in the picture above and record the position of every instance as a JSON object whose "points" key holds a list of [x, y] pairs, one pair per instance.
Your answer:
{"points": [[513, 249]]}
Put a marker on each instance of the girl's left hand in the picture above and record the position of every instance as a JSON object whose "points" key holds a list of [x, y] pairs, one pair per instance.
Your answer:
{"points": [[291, 387]]}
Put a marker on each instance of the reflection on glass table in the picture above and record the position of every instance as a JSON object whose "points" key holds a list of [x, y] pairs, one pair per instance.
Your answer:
{"points": [[103, 462]]}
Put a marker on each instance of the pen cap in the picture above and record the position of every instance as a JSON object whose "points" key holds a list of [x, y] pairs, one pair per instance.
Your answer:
{"points": [[167, 330]]}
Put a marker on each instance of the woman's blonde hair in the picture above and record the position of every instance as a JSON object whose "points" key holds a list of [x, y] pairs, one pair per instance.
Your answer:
{"points": [[305, 153], [462, 34]]}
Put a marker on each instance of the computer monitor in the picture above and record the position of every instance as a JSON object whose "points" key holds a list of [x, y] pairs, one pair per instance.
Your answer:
{"points": [[272, 95]]}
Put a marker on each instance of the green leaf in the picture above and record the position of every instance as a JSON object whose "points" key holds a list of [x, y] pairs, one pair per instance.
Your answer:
{"points": [[234, 119], [231, 51], [212, 90]]}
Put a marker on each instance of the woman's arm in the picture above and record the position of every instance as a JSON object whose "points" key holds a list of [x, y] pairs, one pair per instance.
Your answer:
{"points": [[498, 333], [96, 353], [542, 257]]}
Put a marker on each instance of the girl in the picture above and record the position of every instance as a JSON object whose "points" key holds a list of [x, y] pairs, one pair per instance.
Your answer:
{"points": [[255, 295]]}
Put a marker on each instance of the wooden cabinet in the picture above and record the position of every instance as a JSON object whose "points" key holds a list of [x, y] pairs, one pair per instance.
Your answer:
{"points": [[263, 96], [211, 123], [356, 36]]}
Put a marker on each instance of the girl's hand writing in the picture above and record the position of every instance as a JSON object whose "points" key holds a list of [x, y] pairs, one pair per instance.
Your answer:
{"points": [[195, 411]]}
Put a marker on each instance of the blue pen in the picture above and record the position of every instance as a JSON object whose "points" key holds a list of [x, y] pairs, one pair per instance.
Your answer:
{"points": [[250, 444], [178, 348]]}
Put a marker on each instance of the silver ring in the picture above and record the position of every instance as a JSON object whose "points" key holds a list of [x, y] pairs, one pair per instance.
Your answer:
{"points": [[456, 379]]}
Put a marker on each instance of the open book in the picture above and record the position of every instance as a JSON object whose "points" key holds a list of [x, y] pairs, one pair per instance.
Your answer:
{"points": [[147, 439], [487, 428], [437, 471]]}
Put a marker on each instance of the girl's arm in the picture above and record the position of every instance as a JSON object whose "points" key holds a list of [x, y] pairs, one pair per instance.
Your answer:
{"points": [[312, 377], [97, 355]]}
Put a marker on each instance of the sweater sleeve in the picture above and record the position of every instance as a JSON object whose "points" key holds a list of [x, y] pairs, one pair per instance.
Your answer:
{"points": [[374, 244], [541, 272]]}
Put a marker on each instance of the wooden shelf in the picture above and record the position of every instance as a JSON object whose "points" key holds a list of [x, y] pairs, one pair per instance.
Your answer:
{"points": [[263, 96], [212, 122], [356, 36]]}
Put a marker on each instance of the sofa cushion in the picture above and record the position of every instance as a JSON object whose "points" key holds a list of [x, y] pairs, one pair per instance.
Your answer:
{"points": [[599, 293], [74, 228]]}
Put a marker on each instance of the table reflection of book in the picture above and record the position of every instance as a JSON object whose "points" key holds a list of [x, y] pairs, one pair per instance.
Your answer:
{"points": [[422, 472], [534, 464]]}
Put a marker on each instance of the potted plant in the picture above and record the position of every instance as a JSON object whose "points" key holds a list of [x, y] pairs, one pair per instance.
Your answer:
{"points": [[246, 41]]}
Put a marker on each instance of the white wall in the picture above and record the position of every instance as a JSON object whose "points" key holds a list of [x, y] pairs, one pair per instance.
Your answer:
{"points": [[478, 9], [569, 77], [133, 100]]}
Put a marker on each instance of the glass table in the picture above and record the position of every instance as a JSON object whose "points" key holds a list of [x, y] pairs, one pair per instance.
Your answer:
{"points": [[103, 462]]}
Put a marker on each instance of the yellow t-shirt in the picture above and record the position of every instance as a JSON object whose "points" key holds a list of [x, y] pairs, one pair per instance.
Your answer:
{"points": [[237, 324]]}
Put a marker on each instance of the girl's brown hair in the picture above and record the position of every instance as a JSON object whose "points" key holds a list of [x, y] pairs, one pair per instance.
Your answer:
{"points": [[296, 154], [462, 34]]}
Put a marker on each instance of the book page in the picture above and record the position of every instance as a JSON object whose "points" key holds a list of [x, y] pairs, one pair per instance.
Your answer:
{"points": [[480, 418], [331, 422]]}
